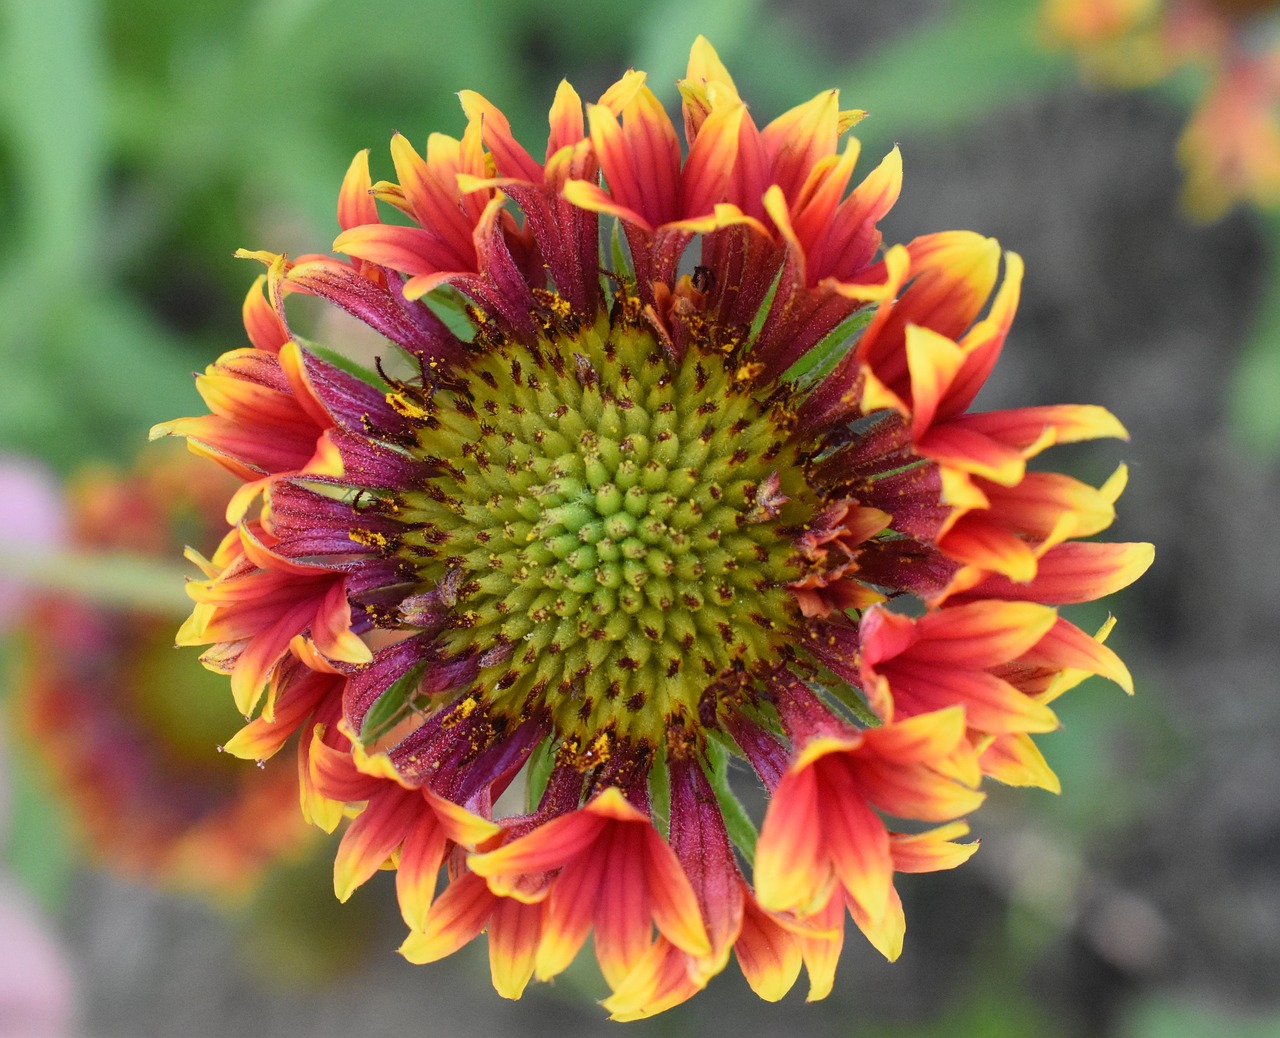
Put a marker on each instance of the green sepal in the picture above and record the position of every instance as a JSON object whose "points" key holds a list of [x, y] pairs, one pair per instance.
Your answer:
{"points": [[742, 831], [660, 797], [393, 706], [620, 254], [850, 698], [757, 322], [821, 360], [452, 307], [538, 772], [342, 362]]}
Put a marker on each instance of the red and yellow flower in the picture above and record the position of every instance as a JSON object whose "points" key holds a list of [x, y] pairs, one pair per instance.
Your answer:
{"points": [[630, 523], [1231, 146], [126, 728]]}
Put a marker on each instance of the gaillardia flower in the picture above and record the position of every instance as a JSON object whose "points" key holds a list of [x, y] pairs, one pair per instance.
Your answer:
{"points": [[127, 730], [616, 509], [1231, 146]]}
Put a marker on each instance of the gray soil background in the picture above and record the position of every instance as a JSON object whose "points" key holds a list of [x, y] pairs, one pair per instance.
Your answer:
{"points": [[1171, 886]]}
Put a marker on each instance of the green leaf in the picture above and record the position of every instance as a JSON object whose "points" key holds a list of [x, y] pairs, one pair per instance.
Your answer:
{"points": [[850, 698]]}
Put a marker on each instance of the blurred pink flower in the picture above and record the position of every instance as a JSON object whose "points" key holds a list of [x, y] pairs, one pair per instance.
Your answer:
{"points": [[36, 989], [35, 984], [32, 521]]}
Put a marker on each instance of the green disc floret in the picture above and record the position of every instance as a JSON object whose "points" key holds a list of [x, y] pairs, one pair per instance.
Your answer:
{"points": [[598, 512]]}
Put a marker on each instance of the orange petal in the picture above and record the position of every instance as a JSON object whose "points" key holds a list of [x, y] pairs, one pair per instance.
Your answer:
{"points": [[933, 361], [568, 914], [931, 851], [457, 917], [661, 979], [410, 250], [1074, 572], [1016, 761], [791, 870], [976, 539], [418, 869], [821, 952], [886, 930], [262, 323], [373, 837], [1066, 646], [515, 930], [981, 634], [768, 954], [356, 204], [565, 118], [675, 907], [495, 130]]}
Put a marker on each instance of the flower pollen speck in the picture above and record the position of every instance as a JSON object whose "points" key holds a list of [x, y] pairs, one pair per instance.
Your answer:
{"points": [[665, 473]]}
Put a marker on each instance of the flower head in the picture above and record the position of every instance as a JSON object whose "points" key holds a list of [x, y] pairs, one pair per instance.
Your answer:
{"points": [[1231, 146], [606, 519], [127, 728]]}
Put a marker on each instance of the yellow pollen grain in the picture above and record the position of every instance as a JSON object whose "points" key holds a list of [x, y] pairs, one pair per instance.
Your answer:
{"points": [[369, 538], [402, 405]]}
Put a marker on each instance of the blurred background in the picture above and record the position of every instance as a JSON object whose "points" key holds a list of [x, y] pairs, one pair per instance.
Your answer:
{"points": [[142, 141]]}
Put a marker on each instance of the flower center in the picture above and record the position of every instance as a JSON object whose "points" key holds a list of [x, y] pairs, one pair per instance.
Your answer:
{"points": [[612, 529]]}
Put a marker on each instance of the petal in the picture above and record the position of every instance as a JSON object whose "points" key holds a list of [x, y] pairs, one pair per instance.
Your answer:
{"points": [[798, 139], [976, 539], [547, 847], [661, 979], [931, 851], [621, 913], [373, 837], [1016, 761], [933, 361], [356, 204], [457, 917], [410, 250], [856, 840], [821, 952], [981, 634], [515, 931], [791, 870], [568, 913], [768, 954], [511, 158], [990, 704], [262, 323], [1074, 572], [418, 870], [1065, 645], [640, 157], [886, 930], [1034, 428], [565, 119], [675, 908]]}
